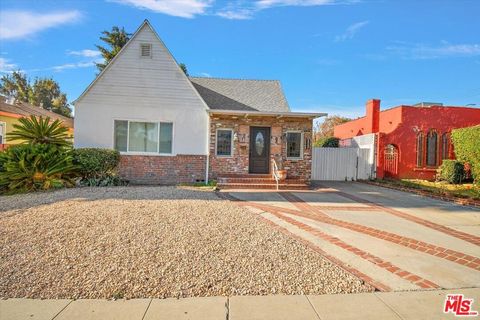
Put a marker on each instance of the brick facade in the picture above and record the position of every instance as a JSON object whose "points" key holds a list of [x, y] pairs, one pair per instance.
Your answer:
{"points": [[239, 161], [162, 169]]}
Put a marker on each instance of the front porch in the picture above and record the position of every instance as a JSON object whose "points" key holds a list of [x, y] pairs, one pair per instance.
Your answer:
{"points": [[244, 145]]}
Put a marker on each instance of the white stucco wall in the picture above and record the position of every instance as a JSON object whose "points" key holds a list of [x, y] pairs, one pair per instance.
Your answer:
{"points": [[139, 88]]}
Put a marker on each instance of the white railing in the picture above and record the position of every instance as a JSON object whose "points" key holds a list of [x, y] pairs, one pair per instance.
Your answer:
{"points": [[275, 173]]}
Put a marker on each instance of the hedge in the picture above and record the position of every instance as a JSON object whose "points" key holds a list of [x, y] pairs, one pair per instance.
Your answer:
{"points": [[466, 143], [327, 142], [451, 171], [96, 162]]}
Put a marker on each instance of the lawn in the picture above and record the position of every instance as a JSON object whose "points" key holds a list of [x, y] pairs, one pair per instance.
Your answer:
{"points": [[466, 190], [151, 242]]}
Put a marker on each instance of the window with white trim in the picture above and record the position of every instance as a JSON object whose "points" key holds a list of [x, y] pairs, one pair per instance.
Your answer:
{"points": [[224, 142], [146, 50], [3, 132], [143, 137], [294, 145]]}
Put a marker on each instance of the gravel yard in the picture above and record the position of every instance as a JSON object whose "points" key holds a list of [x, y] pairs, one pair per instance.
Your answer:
{"points": [[151, 242]]}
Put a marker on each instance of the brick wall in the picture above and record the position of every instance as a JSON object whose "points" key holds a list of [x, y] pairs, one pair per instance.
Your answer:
{"points": [[162, 169], [238, 163]]}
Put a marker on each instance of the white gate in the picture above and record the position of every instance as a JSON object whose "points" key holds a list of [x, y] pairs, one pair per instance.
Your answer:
{"points": [[341, 164]]}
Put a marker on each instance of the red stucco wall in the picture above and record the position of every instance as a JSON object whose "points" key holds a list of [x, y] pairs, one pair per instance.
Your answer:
{"points": [[399, 126]]}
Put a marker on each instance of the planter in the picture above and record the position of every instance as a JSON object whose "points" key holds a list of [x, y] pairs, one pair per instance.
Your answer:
{"points": [[282, 174]]}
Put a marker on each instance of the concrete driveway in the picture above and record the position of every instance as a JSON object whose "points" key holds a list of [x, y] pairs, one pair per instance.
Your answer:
{"points": [[390, 239]]}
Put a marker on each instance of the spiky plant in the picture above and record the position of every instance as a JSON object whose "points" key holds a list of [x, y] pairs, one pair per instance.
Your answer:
{"points": [[32, 167], [41, 130]]}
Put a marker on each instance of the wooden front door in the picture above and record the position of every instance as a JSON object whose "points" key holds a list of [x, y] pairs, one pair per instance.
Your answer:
{"points": [[259, 161]]}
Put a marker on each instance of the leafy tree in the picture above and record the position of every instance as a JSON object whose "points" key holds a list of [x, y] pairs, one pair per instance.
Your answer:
{"points": [[327, 142], [16, 85], [325, 129], [40, 131], [183, 66], [44, 92], [115, 40]]}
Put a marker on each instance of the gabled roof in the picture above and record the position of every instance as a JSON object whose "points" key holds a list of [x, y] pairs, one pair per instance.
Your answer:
{"points": [[25, 110], [241, 95]]}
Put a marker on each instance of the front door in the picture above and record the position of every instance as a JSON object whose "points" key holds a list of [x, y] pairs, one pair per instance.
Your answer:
{"points": [[259, 161]]}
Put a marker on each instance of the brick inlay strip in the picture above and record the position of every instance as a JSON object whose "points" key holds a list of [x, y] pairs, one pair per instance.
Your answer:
{"points": [[311, 212], [451, 232], [374, 283], [379, 262]]}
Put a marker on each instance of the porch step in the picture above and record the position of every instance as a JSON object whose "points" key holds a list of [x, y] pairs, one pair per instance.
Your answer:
{"points": [[272, 186], [258, 181]]}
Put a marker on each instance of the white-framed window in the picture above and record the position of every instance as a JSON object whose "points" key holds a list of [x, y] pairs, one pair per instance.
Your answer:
{"points": [[146, 50], [224, 143], [143, 137], [294, 145], [3, 132]]}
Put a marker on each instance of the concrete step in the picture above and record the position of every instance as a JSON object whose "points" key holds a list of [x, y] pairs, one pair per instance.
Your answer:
{"points": [[273, 186], [255, 180]]}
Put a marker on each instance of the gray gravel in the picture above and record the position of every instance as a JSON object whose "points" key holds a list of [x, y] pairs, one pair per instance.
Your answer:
{"points": [[137, 242]]}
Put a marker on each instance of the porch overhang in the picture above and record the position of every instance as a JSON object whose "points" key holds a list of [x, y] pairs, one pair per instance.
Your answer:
{"points": [[247, 114]]}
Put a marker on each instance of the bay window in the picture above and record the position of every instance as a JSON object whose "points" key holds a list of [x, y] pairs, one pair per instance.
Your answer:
{"points": [[143, 137]]}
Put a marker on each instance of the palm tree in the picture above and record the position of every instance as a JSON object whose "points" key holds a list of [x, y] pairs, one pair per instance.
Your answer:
{"points": [[32, 131], [116, 39]]}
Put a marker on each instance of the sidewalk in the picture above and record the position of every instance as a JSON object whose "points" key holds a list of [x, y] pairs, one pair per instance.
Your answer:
{"points": [[385, 305]]}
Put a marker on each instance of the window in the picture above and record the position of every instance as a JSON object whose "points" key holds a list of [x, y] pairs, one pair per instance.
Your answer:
{"points": [[3, 132], [146, 50], [143, 137], [420, 149], [294, 145], [432, 149], [224, 142], [445, 145]]}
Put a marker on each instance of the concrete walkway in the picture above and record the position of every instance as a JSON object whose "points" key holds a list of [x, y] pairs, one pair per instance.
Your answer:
{"points": [[383, 305], [393, 240]]}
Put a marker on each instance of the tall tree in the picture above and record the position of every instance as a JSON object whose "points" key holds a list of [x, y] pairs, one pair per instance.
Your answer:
{"points": [[183, 66], [115, 40], [325, 129], [44, 92]]}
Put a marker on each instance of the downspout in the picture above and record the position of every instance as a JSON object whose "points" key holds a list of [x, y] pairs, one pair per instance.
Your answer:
{"points": [[207, 161]]}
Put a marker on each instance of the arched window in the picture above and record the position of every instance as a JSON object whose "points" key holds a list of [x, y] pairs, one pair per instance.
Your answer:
{"points": [[432, 149], [420, 149], [445, 145]]}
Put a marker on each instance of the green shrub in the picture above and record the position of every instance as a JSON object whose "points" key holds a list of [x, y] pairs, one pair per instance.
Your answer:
{"points": [[466, 142], [451, 171], [327, 142], [95, 162], [32, 167]]}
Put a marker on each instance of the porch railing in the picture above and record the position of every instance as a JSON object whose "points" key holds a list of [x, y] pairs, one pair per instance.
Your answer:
{"points": [[275, 173]]}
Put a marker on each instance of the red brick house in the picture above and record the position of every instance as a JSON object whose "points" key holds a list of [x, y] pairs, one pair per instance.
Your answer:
{"points": [[171, 128], [411, 141]]}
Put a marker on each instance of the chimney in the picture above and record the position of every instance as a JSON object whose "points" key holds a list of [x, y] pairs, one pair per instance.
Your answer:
{"points": [[372, 116]]}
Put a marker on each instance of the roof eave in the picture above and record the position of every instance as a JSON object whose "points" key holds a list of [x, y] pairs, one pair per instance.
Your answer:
{"points": [[268, 113]]}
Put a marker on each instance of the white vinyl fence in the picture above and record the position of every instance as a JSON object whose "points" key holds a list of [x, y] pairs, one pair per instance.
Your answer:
{"points": [[341, 164]]}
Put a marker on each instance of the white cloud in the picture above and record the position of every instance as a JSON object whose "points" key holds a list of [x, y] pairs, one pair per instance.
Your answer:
{"points": [[241, 10], [445, 50], [6, 66], [177, 8], [87, 53], [16, 24], [351, 31], [205, 74]]}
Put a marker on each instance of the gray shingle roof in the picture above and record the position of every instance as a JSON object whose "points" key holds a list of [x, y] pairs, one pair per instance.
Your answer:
{"points": [[239, 94]]}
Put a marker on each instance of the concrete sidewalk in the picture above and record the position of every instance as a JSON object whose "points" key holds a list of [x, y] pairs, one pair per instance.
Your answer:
{"points": [[391, 305]]}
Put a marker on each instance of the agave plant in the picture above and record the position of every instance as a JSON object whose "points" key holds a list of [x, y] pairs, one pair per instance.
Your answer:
{"points": [[31, 167], [41, 130]]}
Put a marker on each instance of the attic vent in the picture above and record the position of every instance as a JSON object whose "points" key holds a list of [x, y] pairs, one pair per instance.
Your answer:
{"points": [[146, 50]]}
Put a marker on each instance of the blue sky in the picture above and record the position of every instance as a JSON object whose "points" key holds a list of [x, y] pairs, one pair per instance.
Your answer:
{"points": [[331, 56]]}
